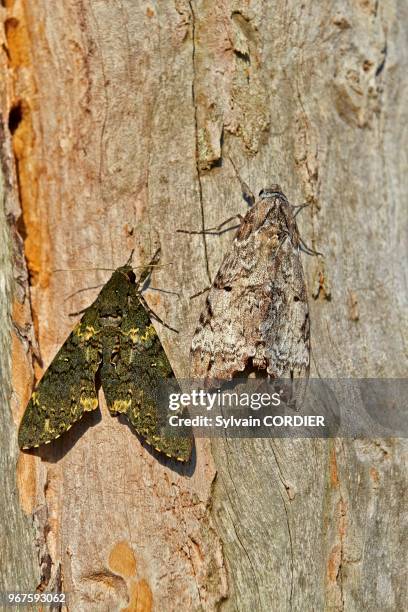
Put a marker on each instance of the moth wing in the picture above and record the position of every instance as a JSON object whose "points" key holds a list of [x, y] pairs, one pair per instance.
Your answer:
{"points": [[220, 346], [137, 384], [256, 312], [66, 391], [285, 327]]}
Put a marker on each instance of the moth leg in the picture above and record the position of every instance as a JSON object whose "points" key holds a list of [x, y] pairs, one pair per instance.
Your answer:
{"points": [[303, 246], [164, 291], [145, 274], [308, 250], [200, 293], [74, 314], [300, 207], [217, 230], [154, 315], [143, 277]]}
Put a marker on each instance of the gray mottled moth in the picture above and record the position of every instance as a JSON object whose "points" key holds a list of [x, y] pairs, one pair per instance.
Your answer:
{"points": [[256, 315]]}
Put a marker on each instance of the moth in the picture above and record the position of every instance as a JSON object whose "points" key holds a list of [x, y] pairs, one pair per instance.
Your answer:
{"points": [[256, 315], [114, 345]]}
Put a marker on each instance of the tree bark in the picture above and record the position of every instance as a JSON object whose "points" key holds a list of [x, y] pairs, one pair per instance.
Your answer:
{"points": [[119, 121]]}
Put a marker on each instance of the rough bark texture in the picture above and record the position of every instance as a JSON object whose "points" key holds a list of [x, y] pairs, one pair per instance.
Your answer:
{"points": [[118, 120]]}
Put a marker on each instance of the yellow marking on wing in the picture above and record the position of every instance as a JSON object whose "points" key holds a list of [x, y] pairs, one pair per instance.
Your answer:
{"points": [[88, 403], [135, 335], [34, 398], [87, 333], [149, 333], [121, 405], [160, 450]]}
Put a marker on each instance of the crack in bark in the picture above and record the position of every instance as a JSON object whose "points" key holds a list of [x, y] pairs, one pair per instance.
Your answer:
{"points": [[288, 526], [197, 163], [339, 577], [235, 530], [341, 529], [342, 520], [106, 114], [291, 552], [193, 569], [239, 540]]}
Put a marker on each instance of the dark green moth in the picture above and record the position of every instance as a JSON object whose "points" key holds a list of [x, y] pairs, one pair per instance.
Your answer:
{"points": [[115, 345]]}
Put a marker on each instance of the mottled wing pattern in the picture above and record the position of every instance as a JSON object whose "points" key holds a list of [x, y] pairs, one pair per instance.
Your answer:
{"points": [[285, 325], [66, 390], [136, 384], [115, 343], [256, 313]]}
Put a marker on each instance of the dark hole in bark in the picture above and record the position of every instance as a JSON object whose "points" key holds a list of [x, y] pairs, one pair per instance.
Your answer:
{"points": [[15, 117]]}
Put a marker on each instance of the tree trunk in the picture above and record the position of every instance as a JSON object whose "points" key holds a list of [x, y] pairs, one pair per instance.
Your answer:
{"points": [[118, 122]]}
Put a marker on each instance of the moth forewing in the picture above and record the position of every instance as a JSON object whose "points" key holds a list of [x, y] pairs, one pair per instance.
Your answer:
{"points": [[66, 390]]}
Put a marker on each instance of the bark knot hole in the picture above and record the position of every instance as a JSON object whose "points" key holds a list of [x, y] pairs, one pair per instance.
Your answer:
{"points": [[15, 116]]}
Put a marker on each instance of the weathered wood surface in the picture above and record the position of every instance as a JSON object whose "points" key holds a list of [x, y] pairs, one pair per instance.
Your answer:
{"points": [[18, 561], [121, 120]]}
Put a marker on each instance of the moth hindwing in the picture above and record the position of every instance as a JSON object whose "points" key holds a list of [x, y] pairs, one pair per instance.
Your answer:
{"points": [[115, 339], [256, 314]]}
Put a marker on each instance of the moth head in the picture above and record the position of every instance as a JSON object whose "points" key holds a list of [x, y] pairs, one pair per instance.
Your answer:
{"points": [[129, 274], [271, 192], [114, 296]]}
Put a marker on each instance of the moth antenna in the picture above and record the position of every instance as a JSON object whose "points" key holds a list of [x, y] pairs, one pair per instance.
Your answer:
{"points": [[308, 250], [147, 269], [104, 269], [130, 258], [164, 291], [246, 192], [82, 290], [82, 270], [300, 207]]}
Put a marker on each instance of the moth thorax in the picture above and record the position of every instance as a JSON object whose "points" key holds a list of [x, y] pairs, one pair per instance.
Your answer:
{"points": [[110, 320], [271, 192]]}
